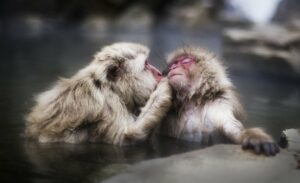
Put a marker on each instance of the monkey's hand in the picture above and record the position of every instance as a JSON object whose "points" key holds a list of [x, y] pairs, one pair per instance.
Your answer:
{"points": [[259, 141], [158, 103], [152, 113], [163, 88]]}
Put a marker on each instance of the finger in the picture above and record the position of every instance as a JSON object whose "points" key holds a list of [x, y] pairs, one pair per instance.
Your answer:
{"points": [[245, 145], [257, 148], [274, 148], [266, 149], [277, 148], [252, 143]]}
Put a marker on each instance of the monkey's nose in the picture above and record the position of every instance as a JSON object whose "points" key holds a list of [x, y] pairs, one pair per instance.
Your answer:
{"points": [[173, 66]]}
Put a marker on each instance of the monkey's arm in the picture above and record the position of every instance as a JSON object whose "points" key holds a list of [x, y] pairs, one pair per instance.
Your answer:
{"points": [[152, 113], [252, 138]]}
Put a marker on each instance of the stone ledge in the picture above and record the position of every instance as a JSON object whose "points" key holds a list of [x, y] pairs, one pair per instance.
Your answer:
{"points": [[220, 163]]}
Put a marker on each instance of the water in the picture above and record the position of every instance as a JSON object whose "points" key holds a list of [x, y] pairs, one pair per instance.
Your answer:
{"points": [[30, 63]]}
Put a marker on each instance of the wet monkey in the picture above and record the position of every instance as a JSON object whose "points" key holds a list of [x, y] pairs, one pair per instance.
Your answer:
{"points": [[118, 99], [205, 107]]}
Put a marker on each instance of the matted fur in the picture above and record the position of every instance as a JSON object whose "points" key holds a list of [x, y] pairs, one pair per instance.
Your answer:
{"points": [[207, 109], [111, 100]]}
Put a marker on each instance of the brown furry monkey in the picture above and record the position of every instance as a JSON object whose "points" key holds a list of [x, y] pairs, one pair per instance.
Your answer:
{"points": [[118, 98], [205, 107]]}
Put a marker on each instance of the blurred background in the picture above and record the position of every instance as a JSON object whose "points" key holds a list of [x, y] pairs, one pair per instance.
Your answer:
{"points": [[41, 40]]}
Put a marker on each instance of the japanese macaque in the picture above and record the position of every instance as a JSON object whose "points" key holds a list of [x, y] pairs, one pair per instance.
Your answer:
{"points": [[118, 99], [205, 107]]}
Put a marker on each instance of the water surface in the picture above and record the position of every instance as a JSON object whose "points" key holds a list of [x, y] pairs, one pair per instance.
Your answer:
{"points": [[31, 62]]}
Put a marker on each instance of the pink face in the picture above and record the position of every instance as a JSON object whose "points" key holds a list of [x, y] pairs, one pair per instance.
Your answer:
{"points": [[155, 72], [179, 69]]}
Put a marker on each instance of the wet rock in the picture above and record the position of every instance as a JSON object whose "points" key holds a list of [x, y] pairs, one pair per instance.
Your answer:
{"points": [[220, 163], [96, 27], [274, 35], [271, 49], [287, 11], [191, 13], [294, 24], [136, 17], [108, 171], [290, 139], [30, 26]]}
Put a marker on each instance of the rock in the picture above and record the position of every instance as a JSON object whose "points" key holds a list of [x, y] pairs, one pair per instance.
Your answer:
{"points": [[294, 24], [30, 26], [287, 10], [190, 13], [136, 17], [220, 163], [96, 27], [275, 35], [271, 49], [290, 139], [107, 171]]}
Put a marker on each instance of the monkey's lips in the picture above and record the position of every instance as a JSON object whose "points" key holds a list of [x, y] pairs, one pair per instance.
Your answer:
{"points": [[174, 74], [158, 78]]}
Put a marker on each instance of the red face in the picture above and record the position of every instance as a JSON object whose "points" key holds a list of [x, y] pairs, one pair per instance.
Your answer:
{"points": [[180, 68], [155, 72]]}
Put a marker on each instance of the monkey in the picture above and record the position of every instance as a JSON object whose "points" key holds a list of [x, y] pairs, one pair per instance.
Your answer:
{"points": [[117, 99], [205, 107]]}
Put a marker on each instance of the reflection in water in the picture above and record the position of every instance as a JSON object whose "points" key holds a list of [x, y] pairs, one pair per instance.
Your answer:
{"points": [[29, 64], [271, 103], [61, 162]]}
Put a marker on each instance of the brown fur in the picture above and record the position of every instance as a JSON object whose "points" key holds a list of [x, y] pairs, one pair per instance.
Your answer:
{"points": [[111, 100]]}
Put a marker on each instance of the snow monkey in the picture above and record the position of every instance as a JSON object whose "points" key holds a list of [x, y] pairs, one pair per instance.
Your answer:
{"points": [[118, 99], [205, 107]]}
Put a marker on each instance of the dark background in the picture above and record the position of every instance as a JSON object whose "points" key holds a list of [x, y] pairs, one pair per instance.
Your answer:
{"points": [[42, 40]]}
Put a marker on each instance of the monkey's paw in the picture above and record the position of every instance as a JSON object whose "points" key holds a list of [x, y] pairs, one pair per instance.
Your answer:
{"points": [[260, 142], [163, 87]]}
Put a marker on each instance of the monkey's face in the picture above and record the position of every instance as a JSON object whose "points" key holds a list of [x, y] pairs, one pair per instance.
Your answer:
{"points": [[179, 71], [127, 71], [187, 65]]}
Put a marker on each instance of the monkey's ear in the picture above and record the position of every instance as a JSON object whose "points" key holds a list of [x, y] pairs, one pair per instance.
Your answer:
{"points": [[113, 72]]}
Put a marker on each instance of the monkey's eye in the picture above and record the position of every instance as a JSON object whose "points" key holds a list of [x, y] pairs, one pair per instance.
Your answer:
{"points": [[186, 61], [173, 65]]}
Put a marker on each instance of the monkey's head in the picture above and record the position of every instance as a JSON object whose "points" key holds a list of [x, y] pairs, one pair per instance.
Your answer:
{"points": [[193, 69], [123, 68]]}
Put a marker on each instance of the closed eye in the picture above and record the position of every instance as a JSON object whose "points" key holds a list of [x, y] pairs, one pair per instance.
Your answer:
{"points": [[171, 66], [186, 61]]}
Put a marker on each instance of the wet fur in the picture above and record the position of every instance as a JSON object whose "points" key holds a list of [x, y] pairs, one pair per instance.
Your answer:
{"points": [[111, 100], [209, 110]]}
